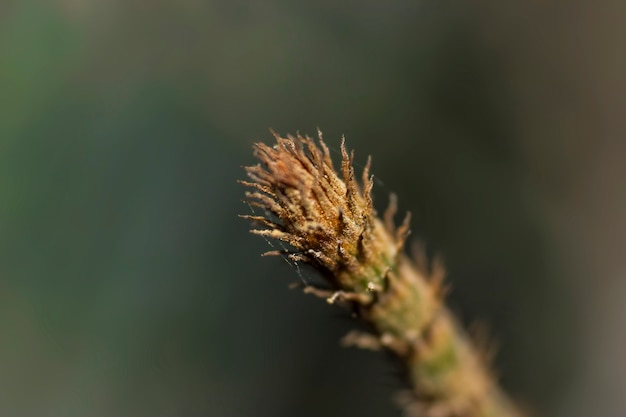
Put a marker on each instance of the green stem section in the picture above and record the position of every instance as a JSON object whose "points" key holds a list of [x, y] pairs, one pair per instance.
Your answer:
{"points": [[447, 375]]}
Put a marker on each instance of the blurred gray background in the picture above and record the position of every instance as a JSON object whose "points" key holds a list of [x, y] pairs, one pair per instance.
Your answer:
{"points": [[129, 287]]}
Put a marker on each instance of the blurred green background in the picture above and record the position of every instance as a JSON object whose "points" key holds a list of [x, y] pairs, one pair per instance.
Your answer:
{"points": [[129, 287]]}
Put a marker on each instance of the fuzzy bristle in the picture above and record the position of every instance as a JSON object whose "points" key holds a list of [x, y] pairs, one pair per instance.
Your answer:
{"points": [[329, 219]]}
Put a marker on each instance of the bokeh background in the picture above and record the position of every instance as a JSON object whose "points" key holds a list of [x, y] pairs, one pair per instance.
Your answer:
{"points": [[129, 287]]}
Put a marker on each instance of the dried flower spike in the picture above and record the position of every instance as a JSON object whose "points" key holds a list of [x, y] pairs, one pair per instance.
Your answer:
{"points": [[330, 223]]}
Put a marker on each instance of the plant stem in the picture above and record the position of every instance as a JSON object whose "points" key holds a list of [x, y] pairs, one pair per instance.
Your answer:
{"points": [[330, 222]]}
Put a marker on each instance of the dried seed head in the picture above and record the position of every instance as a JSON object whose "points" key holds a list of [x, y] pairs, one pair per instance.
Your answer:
{"points": [[328, 219]]}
